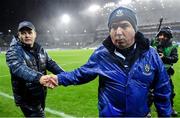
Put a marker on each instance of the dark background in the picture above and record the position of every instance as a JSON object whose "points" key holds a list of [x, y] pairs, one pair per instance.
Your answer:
{"points": [[38, 11], [44, 14]]}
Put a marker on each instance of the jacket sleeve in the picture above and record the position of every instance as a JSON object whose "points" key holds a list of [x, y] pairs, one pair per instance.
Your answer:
{"points": [[18, 66], [52, 66], [172, 58], [80, 75], [162, 90]]}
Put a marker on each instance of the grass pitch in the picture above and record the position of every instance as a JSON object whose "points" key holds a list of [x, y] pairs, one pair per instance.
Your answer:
{"points": [[77, 101]]}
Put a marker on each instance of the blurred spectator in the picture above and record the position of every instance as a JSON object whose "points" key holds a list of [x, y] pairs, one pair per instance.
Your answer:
{"points": [[167, 50]]}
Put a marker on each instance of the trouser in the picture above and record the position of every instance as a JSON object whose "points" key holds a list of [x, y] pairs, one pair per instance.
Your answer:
{"points": [[172, 93], [32, 110]]}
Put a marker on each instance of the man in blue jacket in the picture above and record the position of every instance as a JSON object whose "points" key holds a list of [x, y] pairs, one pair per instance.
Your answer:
{"points": [[28, 63], [127, 68]]}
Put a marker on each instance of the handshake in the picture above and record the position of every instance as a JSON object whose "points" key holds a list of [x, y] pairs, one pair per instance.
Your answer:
{"points": [[50, 81]]}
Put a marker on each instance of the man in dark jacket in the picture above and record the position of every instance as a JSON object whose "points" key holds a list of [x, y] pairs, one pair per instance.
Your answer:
{"points": [[167, 50], [28, 63], [127, 66]]}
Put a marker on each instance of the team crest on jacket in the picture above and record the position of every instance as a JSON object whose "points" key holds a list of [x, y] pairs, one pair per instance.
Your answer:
{"points": [[147, 68]]}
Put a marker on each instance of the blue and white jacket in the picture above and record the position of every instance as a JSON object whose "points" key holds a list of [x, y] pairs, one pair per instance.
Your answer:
{"points": [[123, 88]]}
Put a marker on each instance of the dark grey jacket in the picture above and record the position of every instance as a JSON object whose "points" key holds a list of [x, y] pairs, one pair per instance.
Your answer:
{"points": [[26, 66]]}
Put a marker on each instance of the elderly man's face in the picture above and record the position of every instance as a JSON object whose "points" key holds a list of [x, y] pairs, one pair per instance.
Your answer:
{"points": [[27, 36], [122, 34]]}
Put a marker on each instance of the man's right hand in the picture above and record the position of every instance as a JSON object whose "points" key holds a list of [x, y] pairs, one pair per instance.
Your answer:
{"points": [[50, 81]]}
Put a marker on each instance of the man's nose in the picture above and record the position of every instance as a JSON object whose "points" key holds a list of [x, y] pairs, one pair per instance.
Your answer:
{"points": [[161, 37], [27, 34], [119, 30]]}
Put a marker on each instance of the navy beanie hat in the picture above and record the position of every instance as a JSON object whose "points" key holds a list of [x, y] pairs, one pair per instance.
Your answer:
{"points": [[123, 13]]}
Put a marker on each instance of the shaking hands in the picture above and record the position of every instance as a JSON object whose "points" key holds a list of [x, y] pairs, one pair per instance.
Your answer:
{"points": [[50, 81]]}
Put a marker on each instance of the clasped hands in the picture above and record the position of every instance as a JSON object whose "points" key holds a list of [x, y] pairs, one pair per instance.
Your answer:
{"points": [[50, 81]]}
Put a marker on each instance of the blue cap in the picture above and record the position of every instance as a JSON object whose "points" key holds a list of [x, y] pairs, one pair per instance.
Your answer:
{"points": [[123, 13], [26, 24]]}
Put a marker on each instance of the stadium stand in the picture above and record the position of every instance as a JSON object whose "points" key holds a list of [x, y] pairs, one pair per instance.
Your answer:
{"points": [[66, 41], [148, 17], [88, 40], [5, 41]]}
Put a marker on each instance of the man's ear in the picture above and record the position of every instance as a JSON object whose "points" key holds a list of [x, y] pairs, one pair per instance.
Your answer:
{"points": [[35, 34], [18, 34]]}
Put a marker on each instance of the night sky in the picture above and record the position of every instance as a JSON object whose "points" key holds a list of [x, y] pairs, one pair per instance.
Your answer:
{"points": [[36, 11], [45, 14]]}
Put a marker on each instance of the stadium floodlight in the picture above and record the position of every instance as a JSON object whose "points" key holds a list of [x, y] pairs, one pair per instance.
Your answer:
{"points": [[66, 31], [125, 2], [162, 3], [109, 4], [94, 8], [65, 18], [9, 31]]}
